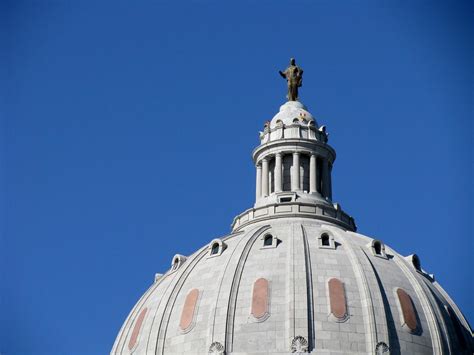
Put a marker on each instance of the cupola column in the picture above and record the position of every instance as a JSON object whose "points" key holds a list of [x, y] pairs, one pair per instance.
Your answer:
{"points": [[258, 190], [326, 178], [295, 176], [312, 174], [264, 177], [278, 182]]}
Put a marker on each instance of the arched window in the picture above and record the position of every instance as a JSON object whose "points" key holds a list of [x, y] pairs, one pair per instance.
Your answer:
{"points": [[377, 248], [325, 240], [215, 249], [268, 240], [416, 262], [178, 260]]}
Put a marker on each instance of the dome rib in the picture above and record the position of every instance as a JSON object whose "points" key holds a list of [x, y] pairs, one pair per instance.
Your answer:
{"points": [[309, 290], [428, 311], [163, 327], [229, 333]]}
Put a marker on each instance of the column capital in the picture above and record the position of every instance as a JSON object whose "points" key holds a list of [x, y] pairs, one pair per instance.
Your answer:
{"points": [[296, 153]]}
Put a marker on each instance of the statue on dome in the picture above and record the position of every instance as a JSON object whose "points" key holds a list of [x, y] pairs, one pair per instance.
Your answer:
{"points": [[294, 77]]}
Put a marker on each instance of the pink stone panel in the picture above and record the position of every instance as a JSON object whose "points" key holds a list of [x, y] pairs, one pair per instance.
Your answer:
{"points": [[136, 329], [337, 298], [260, 298], [408, 310], [189, 308]]}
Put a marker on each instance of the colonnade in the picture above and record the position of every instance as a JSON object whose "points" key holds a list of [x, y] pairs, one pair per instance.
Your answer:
{"points": [[263, 175]]}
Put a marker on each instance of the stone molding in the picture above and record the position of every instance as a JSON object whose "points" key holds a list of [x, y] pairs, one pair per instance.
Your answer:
{"points": [[291, 145], [299, 129], [294, 209]]}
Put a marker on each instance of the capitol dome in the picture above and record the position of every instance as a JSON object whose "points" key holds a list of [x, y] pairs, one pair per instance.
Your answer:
{"points": [[293, 275]]}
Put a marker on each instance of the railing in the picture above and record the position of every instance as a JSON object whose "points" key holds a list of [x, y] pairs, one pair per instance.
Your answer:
{"points": [[333, 214]]}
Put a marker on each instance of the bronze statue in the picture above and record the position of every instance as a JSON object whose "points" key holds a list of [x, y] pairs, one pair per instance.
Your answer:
{"points": [[294, 76]]}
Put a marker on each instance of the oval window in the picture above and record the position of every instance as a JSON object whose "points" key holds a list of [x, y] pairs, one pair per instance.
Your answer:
{"points": [[136, 329], [187, 315], [337, 299], [408, 310], [260, 299]]}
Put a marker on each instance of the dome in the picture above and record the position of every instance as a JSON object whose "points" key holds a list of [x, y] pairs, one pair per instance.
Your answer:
{"points": [[294, 285], [293, 275], [292, 112]]}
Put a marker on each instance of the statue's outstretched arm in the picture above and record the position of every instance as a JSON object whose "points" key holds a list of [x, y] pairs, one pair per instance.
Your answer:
{"points": [[283, 75]]}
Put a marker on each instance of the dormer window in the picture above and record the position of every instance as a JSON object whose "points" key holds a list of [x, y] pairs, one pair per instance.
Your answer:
{"points": [[377, 248], [269, 241], [326, 240], [414, 260], [216, 247], [178, 260]]}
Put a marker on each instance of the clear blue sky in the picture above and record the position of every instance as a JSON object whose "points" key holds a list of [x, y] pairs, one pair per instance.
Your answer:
{"points": [[127, 128]]}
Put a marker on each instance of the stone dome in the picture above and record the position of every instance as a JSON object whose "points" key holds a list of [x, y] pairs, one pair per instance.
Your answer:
{"points": [[292, 112], [294, 276]]}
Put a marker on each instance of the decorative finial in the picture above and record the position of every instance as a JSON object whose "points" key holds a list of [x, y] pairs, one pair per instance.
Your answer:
{"points": [[294, 77]]}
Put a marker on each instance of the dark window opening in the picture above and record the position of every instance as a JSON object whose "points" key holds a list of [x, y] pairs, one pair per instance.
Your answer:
{"points": [[286, 174], [304, 172], [268, 240], [319, 175], [325, 240], [285, 199], [378, 248], [175, 264], [416, 262], [215, 249]]}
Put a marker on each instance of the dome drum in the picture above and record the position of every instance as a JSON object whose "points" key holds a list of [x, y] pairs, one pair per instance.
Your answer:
{"points": [[325, 212]]}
